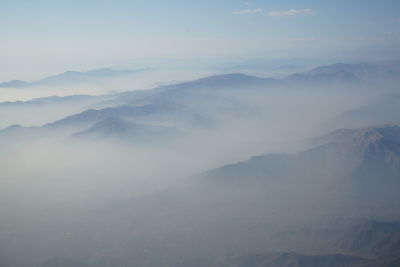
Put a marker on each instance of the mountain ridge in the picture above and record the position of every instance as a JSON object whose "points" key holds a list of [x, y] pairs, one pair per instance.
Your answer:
{"points": [[73, 77], [349, 149]]}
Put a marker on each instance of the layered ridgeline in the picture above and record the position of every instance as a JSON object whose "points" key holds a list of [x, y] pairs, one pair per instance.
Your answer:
{"points": [[350, 167], [73, 77], [262, 212], [370, 156], [352, 172], [188, 103], [387, 70], [114, 127], [126, 123], [201, 101], [272, 210]]}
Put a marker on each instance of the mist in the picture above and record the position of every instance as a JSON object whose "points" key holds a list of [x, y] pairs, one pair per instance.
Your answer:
{"points": [[180, 174], [199, 133]]}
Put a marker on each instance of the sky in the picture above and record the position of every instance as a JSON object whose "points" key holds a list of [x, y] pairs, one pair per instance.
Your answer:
{"points": [[49, 36]]}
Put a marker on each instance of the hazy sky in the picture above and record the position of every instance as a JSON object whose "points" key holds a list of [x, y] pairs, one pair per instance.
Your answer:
{"points": [[47, 36]]}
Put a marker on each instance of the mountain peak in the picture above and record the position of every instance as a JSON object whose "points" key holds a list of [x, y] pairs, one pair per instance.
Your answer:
{"points": [[116, 127], [341, 76], [373, 153], [230, 80], [367, 135], [230, 77]]}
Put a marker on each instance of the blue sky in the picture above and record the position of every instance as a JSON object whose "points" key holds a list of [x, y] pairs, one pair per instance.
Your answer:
{"points": [[41, 35]]}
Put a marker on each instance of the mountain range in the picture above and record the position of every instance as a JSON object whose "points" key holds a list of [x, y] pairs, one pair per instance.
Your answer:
{"points": [[269, 211], [350, 73], [201, 101], [365, 71], [117, 128], [370, 157], [71, 77]]}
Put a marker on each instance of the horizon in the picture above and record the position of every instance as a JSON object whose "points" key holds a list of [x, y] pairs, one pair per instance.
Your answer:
{"points": [[76, 35], [216, 71]]}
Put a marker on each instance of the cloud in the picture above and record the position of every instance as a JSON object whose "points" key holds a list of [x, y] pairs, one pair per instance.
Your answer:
{"points": [[247, 11], [292, 13]]}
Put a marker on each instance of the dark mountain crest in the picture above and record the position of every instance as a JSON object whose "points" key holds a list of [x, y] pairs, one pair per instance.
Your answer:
{"points": [[367, 154], [277, 165], [93, 115], [113, 123], [342, 67], [336, 77], [367, 71], [222, 81], [362, 136], [121, 129], [371, 152]]}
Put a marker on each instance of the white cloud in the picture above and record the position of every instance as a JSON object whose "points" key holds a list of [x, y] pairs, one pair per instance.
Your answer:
{"points": [[292, 13], [247, 11]]}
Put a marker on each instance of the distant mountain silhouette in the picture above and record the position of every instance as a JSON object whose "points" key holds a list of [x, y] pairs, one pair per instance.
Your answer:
{"points": [[196, 102], [366, 71], [114, 127], [150, 112], [49, 100], [329, 77], [69, 77], [265, 166], [385, 109], [14, 84], [124, 122], [225, 80]]}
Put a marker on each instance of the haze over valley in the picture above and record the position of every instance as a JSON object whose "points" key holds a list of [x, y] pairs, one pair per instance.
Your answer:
{"points": [[181, 143]]}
